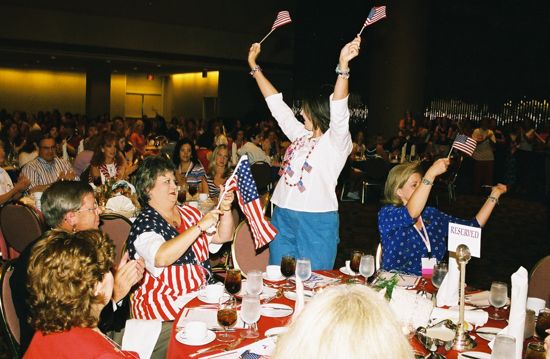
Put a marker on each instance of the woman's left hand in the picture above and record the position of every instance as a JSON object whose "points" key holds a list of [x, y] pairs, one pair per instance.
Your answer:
{"points": [[498, 190], [227, 200], [349, 51]]}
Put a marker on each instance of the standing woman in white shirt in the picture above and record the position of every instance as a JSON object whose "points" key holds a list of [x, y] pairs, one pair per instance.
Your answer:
{"points": [[9, 191], [306, 215]]}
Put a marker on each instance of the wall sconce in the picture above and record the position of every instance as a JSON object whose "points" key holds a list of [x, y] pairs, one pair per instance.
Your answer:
{"points": [[150, 77]]}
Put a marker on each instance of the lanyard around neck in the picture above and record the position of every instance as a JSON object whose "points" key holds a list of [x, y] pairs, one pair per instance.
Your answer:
{"points": [[424, 236]]}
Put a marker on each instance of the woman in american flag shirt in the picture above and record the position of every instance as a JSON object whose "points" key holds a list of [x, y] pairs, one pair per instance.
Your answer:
{"points": [[172, 241]]}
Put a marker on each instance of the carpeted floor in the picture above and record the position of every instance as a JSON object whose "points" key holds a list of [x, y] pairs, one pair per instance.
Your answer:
{"points": [[518, 234]]}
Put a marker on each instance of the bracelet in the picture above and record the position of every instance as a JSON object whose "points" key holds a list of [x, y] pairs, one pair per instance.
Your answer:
{"points": [[254, 70], [493, 199], [426, 181], [342, 73]]}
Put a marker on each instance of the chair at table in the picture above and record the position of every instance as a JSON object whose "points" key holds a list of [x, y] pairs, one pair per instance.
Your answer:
{"points": [[243, 251], [539, 279], [117, 227], [21, 224], [8, 316], [447, 181], [375, 176]]}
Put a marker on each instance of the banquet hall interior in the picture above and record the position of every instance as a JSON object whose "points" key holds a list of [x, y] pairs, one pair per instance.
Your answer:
{"points": [[429, 68]]}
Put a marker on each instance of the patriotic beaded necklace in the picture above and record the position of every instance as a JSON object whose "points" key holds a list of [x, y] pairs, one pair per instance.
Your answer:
{"points": [[286, 170]]}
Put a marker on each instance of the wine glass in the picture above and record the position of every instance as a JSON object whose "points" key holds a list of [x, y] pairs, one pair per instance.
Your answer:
{"points": [[192, 189], [288, 267], [504, 348], [227, 316], [233, 281], [543, 323], [535, 350], [497, 298], [250, 314], [254, 282], [355, 260], [366, 266], [303, 269], [439, 273], [182, 193]]}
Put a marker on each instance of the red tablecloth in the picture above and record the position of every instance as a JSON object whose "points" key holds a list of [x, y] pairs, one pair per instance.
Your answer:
{"points": [[179, 350]]}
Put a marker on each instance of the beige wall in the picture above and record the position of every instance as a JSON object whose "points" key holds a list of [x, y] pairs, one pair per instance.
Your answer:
{"points": [[188, 91], [34, 90], [118, 91]]}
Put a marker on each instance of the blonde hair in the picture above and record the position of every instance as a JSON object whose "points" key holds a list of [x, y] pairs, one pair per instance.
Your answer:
{"points": [[345, 321], [397, 178], [212, 163]]}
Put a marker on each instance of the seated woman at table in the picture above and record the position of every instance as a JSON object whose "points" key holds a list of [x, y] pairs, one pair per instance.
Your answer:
{"points": [[172, 240], [218, 170], [9, 191], [344, 321], [411, 231], [70, 281], [108, 163], [188, 168]]}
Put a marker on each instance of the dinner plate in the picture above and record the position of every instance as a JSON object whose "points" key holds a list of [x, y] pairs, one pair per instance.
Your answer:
{"points": [[278, 279], [266, 292], [208, 300], [492, 333], [308, 295], [276, 310], [478, 355], [345, 271], [210, 336], [276, 331]]}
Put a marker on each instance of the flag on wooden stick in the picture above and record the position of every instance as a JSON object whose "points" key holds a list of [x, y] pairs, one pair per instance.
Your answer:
{"points": [[283, 18], [375, 14]]}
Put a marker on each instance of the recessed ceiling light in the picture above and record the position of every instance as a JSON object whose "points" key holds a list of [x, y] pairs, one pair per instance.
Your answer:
{"points": [[53, 57], [135, 68], [108, 61], [159, 65], [37, 61]]}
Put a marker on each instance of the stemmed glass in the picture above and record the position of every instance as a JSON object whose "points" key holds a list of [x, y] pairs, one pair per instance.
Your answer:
{"points": [[504, 348], [543, 323], [303, 269], [233, 281], [227, 316], [355, 261], [288, 267], [182, 193], [250, 314], [366, 266], [439, 273], [254, 282], [497, 298]]}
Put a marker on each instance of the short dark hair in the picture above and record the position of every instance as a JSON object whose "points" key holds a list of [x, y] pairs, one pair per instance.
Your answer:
{"points": [[317, 107], [179, 144], [61, 198], [147, 174], [252, 133]]}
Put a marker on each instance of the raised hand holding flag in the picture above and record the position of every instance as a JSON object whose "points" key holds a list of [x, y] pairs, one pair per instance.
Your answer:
{"points": [[375, 14], [464, 144], [283, 18]]}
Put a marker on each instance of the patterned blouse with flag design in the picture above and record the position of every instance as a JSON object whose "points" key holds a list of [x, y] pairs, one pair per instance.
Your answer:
{"points": [[157, 295]]}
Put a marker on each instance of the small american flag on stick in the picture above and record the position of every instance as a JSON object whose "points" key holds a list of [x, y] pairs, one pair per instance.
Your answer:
{"points": [[283, 18], [464, 144], [375, 14]]}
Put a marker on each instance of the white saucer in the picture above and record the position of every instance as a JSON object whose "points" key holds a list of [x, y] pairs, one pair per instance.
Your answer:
{"points": [[210, 336], [276, 310], [488, 337], [345, 271], [480, 355], [208, 300], [276, 331], [278, 279], [308, 295]]}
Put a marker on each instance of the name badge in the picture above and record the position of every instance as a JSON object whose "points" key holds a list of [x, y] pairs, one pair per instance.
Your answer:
{"points": [[428, 266]]}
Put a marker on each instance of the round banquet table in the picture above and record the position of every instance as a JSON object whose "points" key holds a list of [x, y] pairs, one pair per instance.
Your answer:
{"points": [[179, 350]]}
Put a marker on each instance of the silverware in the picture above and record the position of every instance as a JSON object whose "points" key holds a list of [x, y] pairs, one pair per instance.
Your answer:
{"points": [[489, 333], [469, 356], [207, 349]]}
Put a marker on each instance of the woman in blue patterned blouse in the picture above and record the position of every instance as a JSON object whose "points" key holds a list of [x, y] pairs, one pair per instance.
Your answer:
{"points": [[411, 231]]}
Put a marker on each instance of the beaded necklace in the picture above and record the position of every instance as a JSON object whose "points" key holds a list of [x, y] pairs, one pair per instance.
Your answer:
{"points": [[286, 170]]}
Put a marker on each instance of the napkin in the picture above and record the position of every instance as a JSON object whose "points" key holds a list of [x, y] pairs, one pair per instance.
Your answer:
{"points": [[141, 336], [476, 317], [121, 204], [410, 309], [299, 304], [447, 295], [516, 320]]}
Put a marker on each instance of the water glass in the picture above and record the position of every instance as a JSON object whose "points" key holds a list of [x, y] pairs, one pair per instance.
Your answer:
{"points": [[303, 269], [227, 317], [543, 323], [535, 350], [288, 268], [254, 282], [439, 273], [498, 298], [504, 348], [366, 266], [250, 314], [233, 281]]}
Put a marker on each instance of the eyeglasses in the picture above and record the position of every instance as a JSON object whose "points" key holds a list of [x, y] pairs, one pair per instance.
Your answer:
{"points": [[95, 208]]}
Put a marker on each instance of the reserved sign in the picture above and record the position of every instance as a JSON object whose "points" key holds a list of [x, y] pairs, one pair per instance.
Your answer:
{"points": [[461, 234]]}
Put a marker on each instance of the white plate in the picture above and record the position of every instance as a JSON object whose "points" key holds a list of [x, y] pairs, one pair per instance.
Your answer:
{"points": [[208, 300], [488, 337], [280, 278], [345, 271], [308, 295], [276, 331], [210, 336], [266, 292], [275, 310], [480, 355]]}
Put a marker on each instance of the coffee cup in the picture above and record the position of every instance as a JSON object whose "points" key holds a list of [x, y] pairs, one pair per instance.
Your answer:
{"points": [[212, 292], [195, 331], [203, 197], [535, 304], [273, 272]]}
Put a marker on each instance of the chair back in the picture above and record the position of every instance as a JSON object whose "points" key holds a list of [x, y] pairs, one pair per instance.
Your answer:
{"points": [[8, 317], [21, 224], [376, 170], [117, 227], [539, 279], [261, 172], [244, 253]]}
